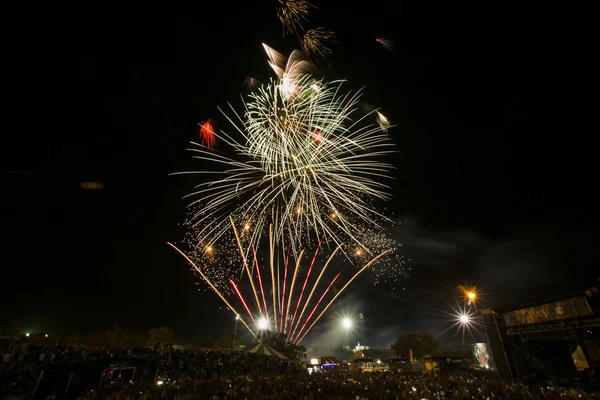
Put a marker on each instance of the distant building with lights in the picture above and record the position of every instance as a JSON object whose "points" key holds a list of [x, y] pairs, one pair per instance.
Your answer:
{"points": [[361, 351]]}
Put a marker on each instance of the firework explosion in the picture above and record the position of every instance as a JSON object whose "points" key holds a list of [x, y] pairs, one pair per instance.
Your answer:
{"points": [[391, 268], [292, 14], [384, 123], [220, 261], [307, 163], [303, 165], [207, 135], [385, 43], [251, 83], [287, 299], [315, 42]]}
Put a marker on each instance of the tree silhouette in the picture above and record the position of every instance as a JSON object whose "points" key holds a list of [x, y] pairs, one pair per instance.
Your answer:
{"points": [[421, 344]]}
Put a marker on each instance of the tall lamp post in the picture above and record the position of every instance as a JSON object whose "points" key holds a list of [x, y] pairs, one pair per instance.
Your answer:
{"points": [[347, 324], [263, 325], [362, 320], [237, 317]]}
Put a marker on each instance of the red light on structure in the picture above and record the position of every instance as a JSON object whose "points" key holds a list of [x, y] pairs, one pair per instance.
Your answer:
{"points": [[111, 372]]}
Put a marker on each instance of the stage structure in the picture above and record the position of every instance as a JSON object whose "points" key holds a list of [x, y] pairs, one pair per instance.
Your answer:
{"points": [[554, 338]]}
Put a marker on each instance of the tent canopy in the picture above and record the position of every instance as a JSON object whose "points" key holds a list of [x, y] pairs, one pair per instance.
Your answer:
{"points": [[265, 349]]}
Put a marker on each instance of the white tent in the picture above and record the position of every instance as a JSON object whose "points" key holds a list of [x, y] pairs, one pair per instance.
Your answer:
{"points": [[262, 348]]}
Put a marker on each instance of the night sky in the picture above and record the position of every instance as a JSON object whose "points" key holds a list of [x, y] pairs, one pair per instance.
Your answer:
{"points": [[494, 184]]}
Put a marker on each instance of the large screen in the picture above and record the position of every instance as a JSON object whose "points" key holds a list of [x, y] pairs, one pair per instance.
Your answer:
{"points": [[481, 355]]}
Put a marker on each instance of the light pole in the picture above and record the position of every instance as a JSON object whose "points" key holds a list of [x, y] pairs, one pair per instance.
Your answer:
{"points": [[347, 324], [263, 324], [235, 328], [362, 320]]}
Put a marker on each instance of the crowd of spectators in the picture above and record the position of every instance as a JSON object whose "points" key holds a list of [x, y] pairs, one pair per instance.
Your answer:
{"points": [[170, 373]]}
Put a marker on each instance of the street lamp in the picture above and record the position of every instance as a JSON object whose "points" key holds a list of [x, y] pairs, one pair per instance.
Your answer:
{"points": [[468, 293], [471, 296]]}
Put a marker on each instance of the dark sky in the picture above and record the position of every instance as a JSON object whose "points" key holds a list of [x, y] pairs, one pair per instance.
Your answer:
{"points": [[494, 185]]}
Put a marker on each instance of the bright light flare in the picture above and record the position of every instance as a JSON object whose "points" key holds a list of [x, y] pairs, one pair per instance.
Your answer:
{"points": [[263, 323], [347, 323], [470, 294], [464, 319]]}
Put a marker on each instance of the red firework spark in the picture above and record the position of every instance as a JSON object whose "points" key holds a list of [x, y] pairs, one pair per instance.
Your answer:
{"points": [[262, 291], [207, 134], [303, 287], [317, 136], [317, 305], [287, 258], [237, 291]]}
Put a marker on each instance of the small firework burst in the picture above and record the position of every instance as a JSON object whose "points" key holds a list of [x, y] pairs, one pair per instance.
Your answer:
{"points": [[392, 268], [292, 14], [386, 43], [207, 134], [289, 70], [315, 42], [251, 83], [383, 122]]}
